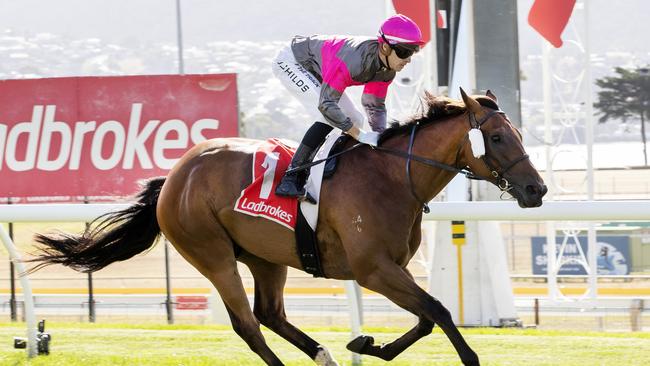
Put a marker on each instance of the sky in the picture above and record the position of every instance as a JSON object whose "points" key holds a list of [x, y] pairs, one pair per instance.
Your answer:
{"points": [[120, 37], [270, 20], [203, 20]]}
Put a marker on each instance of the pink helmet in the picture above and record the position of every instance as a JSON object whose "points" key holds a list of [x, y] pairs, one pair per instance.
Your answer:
{"points": [[400, 29]]}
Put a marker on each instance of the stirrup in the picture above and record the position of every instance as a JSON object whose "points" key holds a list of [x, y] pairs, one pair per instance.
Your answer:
{"points": [[290, 184], [307, 197], [286, 193]]}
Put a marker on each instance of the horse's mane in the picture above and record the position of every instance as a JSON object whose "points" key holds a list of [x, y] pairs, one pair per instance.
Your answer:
{"points": [[434, 109]]}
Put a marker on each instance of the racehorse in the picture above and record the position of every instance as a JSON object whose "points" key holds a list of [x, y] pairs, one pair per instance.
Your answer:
{"points": [[368, 226]]}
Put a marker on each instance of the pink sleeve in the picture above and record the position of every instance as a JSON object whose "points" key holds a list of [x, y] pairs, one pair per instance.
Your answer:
{"points": [[335, 72], [377, 88]]}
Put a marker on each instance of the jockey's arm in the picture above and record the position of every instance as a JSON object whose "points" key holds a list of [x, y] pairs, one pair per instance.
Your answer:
{"points": [[328, 105], [373, 101]]}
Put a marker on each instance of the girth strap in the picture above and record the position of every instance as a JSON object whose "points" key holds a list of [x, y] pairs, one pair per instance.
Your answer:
{"points": [[307, 247]]}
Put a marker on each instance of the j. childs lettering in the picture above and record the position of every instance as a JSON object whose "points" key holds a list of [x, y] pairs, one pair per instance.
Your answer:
{"points": [[294, 77]]}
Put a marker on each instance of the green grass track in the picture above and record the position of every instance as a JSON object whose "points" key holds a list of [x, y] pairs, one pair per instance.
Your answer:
{"points": [[84, 344]]}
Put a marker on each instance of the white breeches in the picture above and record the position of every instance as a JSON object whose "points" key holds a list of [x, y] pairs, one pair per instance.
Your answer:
{"points": [[304, 86]]}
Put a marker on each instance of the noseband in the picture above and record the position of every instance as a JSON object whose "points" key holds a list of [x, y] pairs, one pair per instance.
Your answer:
{"points": [[499, 179]]}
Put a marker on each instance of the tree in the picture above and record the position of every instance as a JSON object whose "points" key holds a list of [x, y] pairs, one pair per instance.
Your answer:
{"points": [[626, 96]]}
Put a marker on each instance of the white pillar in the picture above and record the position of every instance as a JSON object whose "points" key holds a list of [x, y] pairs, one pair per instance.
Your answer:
{"points": [[589, 136], [218, 308], [353, 291], [551, 252], [30, 317]]}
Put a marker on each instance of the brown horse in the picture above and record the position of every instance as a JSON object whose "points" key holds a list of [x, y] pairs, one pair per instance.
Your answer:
{"points": [[368, 227]]}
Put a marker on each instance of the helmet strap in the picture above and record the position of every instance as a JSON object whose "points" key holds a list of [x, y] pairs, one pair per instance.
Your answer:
{"points": [[388, 64], [382, 53]]}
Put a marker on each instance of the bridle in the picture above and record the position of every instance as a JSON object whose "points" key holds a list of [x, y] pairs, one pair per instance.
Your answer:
{"points": [[498, 176]]}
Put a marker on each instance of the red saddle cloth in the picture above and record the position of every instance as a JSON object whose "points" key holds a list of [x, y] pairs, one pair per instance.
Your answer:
{"points": [[258, 199]]}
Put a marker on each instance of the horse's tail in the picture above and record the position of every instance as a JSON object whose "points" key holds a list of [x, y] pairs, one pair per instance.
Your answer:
{"points": [[115, 236]]}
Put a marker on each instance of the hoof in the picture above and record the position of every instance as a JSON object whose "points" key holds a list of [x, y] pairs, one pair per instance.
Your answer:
{"points": [[324, 358], [472, 361], [360, 344]]}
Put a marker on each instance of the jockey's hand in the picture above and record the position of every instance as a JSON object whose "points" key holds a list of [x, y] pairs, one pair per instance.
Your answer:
{"points": [[368, 137], [365, 137]]}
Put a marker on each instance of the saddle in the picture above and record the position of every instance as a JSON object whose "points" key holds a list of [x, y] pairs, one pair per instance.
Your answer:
{"points": [[331, 164], [305, 231]]}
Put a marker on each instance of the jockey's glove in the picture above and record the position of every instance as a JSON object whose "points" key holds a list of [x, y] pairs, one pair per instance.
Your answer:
{"points": [[364, 137], [368, 137]]}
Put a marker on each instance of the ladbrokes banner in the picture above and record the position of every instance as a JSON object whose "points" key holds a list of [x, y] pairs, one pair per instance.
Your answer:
{"points": [[70, 138]]}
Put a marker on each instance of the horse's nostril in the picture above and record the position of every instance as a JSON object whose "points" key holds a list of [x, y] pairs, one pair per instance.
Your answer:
{"points": [[536, 190], [532, 190]]}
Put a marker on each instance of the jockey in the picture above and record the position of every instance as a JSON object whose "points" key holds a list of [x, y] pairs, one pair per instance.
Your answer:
{"points": [[318, 69]]}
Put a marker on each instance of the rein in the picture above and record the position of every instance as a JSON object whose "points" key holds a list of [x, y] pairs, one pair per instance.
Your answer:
{"points": [[499, 180], [498, 176], [436, 164], [316, 162]]}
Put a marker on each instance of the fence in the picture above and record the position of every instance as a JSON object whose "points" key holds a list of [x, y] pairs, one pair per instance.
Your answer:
{"points": [[568, 210]]}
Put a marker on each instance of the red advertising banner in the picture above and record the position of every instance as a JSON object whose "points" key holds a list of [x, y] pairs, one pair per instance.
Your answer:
{"points": [[64, 139]]}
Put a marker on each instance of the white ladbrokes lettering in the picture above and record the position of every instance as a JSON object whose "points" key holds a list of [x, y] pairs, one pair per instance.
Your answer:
{"points": [[128, 142], [262, 207]]}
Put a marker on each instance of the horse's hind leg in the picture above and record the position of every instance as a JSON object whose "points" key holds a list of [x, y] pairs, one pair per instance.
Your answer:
{"points": [[270, 279], [230, 287], [212, 253]]}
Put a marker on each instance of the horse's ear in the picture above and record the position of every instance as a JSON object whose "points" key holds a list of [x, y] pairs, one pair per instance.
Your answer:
{"points": [[428, 97], [471, 104], [491, 96], [463, 94]]}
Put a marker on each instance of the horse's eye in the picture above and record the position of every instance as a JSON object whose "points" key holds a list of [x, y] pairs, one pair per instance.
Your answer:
{"points": [[496, 138]]}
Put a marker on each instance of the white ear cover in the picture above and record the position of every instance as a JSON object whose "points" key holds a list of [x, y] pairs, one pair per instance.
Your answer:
{"points": [[477, 143]]}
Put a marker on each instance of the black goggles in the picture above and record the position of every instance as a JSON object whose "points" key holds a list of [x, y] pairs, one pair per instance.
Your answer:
{"points": [[402, 50]]}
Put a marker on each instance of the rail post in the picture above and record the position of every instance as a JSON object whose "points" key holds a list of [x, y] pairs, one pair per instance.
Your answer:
{"points": [[636, 311]]}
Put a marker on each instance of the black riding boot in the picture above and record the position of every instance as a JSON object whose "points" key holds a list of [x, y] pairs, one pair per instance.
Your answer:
{"points": [[292, 185]]}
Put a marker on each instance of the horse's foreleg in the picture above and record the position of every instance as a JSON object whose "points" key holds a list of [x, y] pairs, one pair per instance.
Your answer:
{"points": [[392, 281], [269, 308], [366, 344]]}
